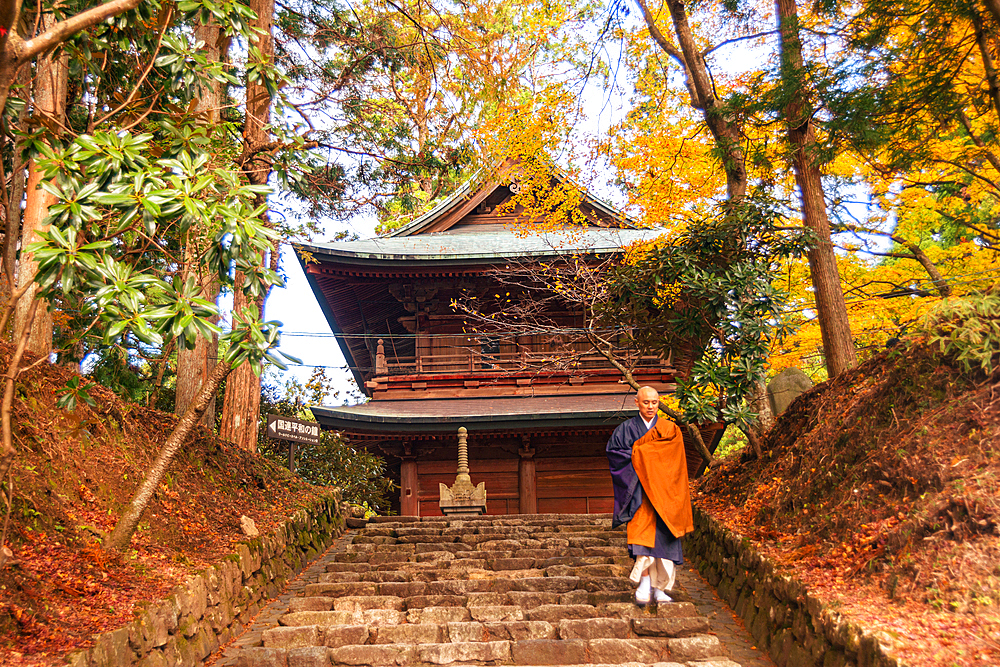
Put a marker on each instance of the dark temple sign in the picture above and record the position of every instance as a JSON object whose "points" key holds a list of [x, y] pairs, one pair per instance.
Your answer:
{"points": [[293, 430]]}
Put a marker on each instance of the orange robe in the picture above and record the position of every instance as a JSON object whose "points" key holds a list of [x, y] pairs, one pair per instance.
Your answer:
{"points": [[661, 466]]}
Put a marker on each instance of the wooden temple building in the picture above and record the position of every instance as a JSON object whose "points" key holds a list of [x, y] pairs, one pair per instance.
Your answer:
{"points": [[536, 432]]}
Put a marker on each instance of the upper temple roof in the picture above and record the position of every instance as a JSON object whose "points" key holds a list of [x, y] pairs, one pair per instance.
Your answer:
{"points": [[467, 227], [479, 246], [475, 204]]}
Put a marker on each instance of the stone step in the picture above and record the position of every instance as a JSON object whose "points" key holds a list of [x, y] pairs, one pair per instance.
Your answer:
{"points": [[545, 549], [498, 520], [520, 567], [467, 528], [552, 583], [544, 651], [547, 607], [429, 532], [483, 543], [476, 591], [538, 590], [473, 538], [476, 631]]}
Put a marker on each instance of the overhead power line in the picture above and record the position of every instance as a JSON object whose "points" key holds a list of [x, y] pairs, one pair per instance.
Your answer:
{"points": [[923, 285]]}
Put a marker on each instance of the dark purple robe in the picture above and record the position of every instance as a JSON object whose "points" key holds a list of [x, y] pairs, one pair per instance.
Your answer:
{"points": [[628, 492]]}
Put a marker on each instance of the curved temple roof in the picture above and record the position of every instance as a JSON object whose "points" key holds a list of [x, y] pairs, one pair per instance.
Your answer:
{"points": [[444, 415], [484, 246]]}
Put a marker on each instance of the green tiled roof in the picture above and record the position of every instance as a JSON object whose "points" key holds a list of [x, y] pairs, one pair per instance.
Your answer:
{"points": [[483, 245], [444, 415]]}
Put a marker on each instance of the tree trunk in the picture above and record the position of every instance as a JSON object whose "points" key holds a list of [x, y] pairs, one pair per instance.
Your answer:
{"points": [[727, 135], [834, 325], [216, 50], [15, 197], [122, 533], [256, 162], [50, 105], [160, 372], [241, 408], [195, 366], [765, 418], [762, 406], [7, 449]]}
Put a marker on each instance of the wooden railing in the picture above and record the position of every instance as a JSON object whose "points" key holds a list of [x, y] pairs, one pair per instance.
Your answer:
{"points": [[473, 361]]}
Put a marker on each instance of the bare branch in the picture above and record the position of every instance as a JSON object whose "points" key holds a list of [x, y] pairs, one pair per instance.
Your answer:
{"points": [[164, 20], [735, 40], [696, 100], [693, 429]]}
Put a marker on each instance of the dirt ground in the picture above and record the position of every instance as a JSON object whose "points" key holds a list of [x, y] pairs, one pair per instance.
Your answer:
{"points": [[73, 474], [881, 491]]}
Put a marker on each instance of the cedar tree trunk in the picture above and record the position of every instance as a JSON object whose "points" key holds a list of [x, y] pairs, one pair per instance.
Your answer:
{"points": [[50, 108], [835, 328], [240, 410], [241, 407], [195, 366]]}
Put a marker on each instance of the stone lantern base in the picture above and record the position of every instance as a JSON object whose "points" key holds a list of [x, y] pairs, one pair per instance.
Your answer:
{"points": [[463, 499]]}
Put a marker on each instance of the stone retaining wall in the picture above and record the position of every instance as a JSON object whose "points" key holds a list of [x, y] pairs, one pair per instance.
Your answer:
{"points": [[788, 622], [212, 607]]}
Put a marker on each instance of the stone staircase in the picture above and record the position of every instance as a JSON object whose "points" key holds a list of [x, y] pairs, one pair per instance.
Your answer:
{"points": [[517, 590]]}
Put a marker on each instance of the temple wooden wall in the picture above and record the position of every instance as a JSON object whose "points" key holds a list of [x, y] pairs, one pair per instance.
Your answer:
{"points": [[571, 485], [500, 476]]}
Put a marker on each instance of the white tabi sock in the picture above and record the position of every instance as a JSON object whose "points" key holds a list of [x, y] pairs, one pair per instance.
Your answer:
{"points": [[642, 593], [661, 596]]}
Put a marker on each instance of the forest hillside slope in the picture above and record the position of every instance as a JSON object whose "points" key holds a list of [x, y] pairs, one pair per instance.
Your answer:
{"points": [[880, 490], [75, 471]]}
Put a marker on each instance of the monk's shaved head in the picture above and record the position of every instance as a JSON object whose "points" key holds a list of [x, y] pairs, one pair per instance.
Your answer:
{"points": [[647, 400], [647, 391]]}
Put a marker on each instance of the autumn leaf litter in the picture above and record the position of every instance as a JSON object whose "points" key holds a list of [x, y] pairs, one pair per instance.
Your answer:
{"points": [[879, 490], [74, 473]]}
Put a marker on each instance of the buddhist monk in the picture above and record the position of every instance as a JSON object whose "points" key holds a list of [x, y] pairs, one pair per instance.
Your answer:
{"points": [[649, 472]]}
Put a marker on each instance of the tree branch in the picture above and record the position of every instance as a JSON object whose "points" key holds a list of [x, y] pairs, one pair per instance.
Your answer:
{"points": [[943, 288], [696, 101], [734, 40], [990, 156], [65, 29], [164, 20], [699, 443], [916, 253]]}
